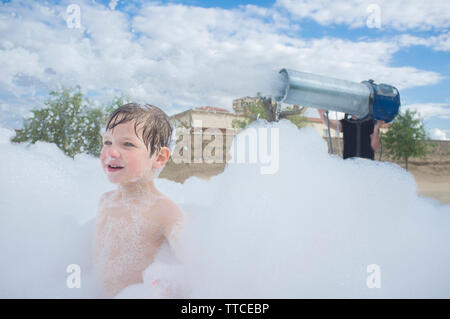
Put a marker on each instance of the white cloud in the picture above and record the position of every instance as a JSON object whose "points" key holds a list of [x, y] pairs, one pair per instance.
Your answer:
{"points": [[397, 14], [438, 43], [437, 134], [429, 110], [172, 55], [112, 4]]}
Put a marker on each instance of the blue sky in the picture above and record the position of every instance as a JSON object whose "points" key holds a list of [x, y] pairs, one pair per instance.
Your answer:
{"points": [[182, 54]]}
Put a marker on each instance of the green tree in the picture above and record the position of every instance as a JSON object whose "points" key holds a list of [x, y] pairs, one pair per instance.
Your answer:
{"points": [[297, 119], [406, 137], [117, 102], [69, 121], [265, 108]]}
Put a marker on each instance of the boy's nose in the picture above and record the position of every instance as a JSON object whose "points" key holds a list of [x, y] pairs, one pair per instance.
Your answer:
{"points": [[112, 152]]}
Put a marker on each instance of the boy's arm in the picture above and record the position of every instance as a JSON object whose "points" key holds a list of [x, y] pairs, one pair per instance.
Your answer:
{"points": [[172, 226], [173, 221], [99, 219], [100, 209]]}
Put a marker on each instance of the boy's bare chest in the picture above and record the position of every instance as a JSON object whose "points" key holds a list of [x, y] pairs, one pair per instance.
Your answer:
{"points": [[129, 225]]}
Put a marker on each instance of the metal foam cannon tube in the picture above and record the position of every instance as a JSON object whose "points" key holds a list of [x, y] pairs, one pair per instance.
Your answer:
{"points": [[379, 101]]}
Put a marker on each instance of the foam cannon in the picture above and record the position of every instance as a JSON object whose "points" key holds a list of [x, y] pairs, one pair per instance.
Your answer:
{"points": [[362, 100]]}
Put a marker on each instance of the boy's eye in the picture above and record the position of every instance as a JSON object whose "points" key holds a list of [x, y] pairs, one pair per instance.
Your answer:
{"points": [[107, 142], [128, 144]]}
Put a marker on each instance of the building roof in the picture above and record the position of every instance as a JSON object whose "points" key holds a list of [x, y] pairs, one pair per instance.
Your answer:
{"points": [[314, 120], [211, 109]]}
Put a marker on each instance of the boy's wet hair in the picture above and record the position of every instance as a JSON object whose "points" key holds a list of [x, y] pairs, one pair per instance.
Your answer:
{"points": [[155, 124]]}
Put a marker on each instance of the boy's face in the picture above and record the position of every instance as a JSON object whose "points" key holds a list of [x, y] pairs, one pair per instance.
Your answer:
{"points": [[124, 150]]}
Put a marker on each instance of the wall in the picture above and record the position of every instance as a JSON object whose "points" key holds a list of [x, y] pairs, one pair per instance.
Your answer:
{"points": [[440, 153]]}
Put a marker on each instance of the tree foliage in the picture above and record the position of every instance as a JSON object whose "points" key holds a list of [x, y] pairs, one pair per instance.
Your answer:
{"points": [[265, 108], [406, 137], [69, 121]]}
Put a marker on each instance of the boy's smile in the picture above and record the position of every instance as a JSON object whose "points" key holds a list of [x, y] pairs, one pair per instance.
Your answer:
{"points": [[124, 156]]}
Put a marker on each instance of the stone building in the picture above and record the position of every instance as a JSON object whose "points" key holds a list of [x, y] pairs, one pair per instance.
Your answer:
{"points": [[206, 117], [202, 126]]}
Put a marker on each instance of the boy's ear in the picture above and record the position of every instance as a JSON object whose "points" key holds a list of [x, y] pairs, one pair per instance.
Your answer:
{"points": [[161, 157]]}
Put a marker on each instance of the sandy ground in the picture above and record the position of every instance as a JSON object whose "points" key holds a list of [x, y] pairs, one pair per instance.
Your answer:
{"points": [[433, 180]]}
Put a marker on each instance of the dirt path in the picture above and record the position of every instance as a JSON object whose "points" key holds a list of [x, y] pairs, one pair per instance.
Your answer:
{"points": [[433, 181]]}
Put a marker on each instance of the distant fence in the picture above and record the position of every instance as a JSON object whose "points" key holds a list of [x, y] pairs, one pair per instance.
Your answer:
{"points": [[440, 153]]}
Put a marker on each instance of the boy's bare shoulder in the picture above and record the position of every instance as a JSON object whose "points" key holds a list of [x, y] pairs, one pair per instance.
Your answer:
{"points": [[166, 207]]}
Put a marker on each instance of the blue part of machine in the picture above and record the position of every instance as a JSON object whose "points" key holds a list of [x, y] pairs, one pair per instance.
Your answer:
{"points": [[386, 102]]}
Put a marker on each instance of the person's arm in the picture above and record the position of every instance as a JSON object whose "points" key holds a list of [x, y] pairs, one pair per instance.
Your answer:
{"points": [[171, 230], [99, 223], [375, 136], [335, 125], [172, 227]]}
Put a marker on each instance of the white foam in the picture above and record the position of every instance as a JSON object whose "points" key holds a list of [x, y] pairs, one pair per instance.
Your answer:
{"points": [[310, 230]]}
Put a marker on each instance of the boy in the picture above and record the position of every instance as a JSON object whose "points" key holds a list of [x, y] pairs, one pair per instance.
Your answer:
{"points": [[134, 220]]}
